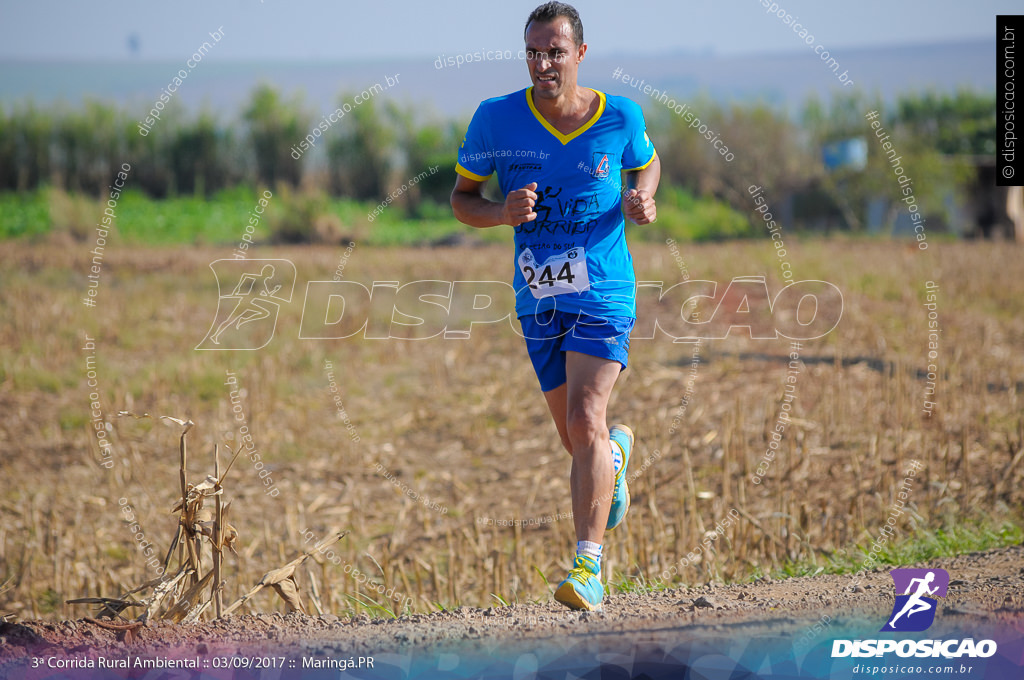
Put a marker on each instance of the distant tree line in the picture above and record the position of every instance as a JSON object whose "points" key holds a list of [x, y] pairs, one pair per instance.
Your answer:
{"points": [[379, 144], [941, 138]]}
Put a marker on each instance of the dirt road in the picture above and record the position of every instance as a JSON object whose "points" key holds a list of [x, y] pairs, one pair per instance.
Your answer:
{"points": [[774, 628]]}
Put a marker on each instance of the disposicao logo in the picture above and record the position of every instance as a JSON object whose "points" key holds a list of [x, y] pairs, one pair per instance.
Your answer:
{"points": [[914, 611], [260, 288]]}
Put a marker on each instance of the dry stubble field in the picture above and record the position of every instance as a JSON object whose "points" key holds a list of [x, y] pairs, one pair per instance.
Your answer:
{"points": [[448, 442]]}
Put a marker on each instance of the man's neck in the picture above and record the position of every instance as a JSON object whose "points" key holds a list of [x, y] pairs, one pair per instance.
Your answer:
{"points": [[572, 105]]}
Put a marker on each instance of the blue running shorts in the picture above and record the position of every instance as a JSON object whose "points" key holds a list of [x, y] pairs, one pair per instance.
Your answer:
{"points": [[551, 333]]}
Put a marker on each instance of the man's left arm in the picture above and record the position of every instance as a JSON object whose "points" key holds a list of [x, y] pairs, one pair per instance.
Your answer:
{"points": [[638, 201]]}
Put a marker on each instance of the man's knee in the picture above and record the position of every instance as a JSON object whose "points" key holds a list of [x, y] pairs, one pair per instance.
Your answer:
{"points": [[585, 425]]}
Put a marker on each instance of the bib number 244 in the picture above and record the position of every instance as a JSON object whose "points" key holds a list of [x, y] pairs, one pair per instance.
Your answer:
{"points": [[559, 274]]}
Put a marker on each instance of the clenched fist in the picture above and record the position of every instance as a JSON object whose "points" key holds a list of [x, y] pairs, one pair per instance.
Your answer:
{"points": [[519, 205], [639, 206]]}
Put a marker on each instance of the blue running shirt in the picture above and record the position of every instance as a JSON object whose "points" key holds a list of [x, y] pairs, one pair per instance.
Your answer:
{"points": [[573, 257]]}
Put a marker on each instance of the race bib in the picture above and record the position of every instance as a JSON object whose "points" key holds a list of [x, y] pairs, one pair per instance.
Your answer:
{"points": [[562, 273]]}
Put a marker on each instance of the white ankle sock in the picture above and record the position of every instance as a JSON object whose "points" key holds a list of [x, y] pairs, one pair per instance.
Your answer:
{"points": [[590, 549]]}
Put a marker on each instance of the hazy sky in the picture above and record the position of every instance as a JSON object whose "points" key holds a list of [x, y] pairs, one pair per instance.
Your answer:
{"points": [[322, 29]]}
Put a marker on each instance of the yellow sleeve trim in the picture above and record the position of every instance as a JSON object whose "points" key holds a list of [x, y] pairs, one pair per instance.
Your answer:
{"points": [[471, 175], [653, 156]]}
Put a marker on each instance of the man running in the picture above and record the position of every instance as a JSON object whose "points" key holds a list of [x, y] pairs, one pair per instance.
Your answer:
{"points": [[916, 602], [559, 150], [251, 306]]}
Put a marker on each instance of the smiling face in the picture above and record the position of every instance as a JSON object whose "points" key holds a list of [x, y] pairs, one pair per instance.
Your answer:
{"points": [[553, 57]]}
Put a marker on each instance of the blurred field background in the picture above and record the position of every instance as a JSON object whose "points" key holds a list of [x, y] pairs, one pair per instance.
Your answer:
{"points": [[461, 423], [444, 467], [197, 179]]}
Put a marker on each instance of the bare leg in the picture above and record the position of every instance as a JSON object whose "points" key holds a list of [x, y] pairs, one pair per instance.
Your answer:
{"points": [[589, 387], [559, 407]]}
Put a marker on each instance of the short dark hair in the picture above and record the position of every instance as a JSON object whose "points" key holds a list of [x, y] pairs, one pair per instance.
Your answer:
{"points": [[550, 11]]}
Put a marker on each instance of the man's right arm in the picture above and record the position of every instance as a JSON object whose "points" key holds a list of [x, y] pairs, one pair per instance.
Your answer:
{"points": [[472, 208]]}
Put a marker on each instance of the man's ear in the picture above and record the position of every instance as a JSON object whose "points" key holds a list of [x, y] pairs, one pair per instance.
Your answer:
{"points": [[581, 52]]}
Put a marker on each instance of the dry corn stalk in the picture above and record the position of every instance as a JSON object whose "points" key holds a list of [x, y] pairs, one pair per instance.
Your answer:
{"points": [[185, 587], [282, 580]]}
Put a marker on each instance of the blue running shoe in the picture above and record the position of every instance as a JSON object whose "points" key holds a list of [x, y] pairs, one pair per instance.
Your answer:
{"points": [[623, 436], [582, 588]]}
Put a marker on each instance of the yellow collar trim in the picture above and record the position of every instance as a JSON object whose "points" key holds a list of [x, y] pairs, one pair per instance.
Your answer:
{"points": [[565, 139]]}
